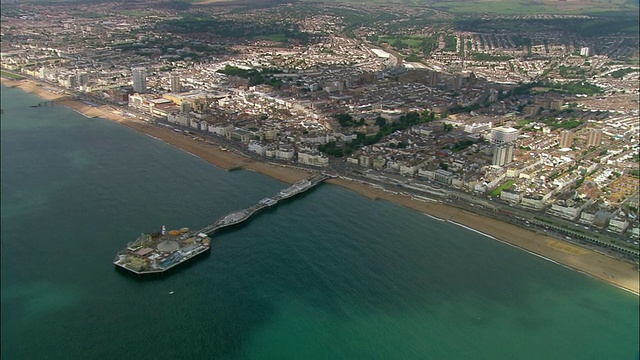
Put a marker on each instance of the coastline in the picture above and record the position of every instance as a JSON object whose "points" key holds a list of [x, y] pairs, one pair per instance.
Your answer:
{"points": [[613, 271]]}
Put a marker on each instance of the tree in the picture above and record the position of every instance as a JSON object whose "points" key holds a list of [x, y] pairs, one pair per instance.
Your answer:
{"points": [[344, 119], [427, 116], [398, 44]]}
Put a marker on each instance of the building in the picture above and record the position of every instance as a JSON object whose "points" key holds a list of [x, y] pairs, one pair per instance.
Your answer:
{"points": [[174, 83], [533, 202], [379, 162], [503, 143], [138, 101], [566, 139], [241, 135], [408, 170], [594, 137], [434, 79], [504, 135], [257, 147], [618, 225], [585, 51], [477, 127], [71, 82], [512, 197], [365, 160], [556, 104], [502, 154], [313, 158], [443, 176], [566, 212], [83, 79], [531, 110], [284, 152], [139, 79], [185, 107]]}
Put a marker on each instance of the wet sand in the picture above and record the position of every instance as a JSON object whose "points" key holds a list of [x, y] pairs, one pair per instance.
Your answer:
{"points": [[608, 269]]}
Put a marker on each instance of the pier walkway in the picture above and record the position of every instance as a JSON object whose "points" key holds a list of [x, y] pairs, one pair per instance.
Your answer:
{"points": [[45, 103], [238, 217]]}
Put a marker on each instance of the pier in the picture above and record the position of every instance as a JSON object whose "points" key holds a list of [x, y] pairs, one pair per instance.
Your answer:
{"points": [[240, 216], [44, 103], [159, 252]]}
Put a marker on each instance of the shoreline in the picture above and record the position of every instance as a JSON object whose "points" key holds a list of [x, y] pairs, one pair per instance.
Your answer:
{"points": [[546, 258], [616, 272]]}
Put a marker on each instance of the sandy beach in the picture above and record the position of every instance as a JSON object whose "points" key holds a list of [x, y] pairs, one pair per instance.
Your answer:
{"points": [[613, 271]]}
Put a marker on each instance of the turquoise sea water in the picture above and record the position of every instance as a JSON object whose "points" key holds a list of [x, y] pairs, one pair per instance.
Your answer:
{"points": [[328, 275]]}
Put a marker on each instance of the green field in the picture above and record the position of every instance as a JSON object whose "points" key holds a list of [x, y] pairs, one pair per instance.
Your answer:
{"points": [[508, 7], [412, 42], [418, 44], [413, 58], [504, 7], [272, 37], [622, 72], [511, 7], [507, 184], [136, 13]]}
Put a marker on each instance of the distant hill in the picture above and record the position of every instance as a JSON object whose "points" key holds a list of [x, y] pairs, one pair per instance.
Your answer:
{"points": [[513, 7], [459, 7], [535, 6]]}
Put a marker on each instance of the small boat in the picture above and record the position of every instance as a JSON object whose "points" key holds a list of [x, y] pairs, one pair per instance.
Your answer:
{"points": [[170, 292]]}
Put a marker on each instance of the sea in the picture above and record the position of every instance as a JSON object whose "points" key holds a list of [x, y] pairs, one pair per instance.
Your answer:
{"points": [[325, 275]]}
